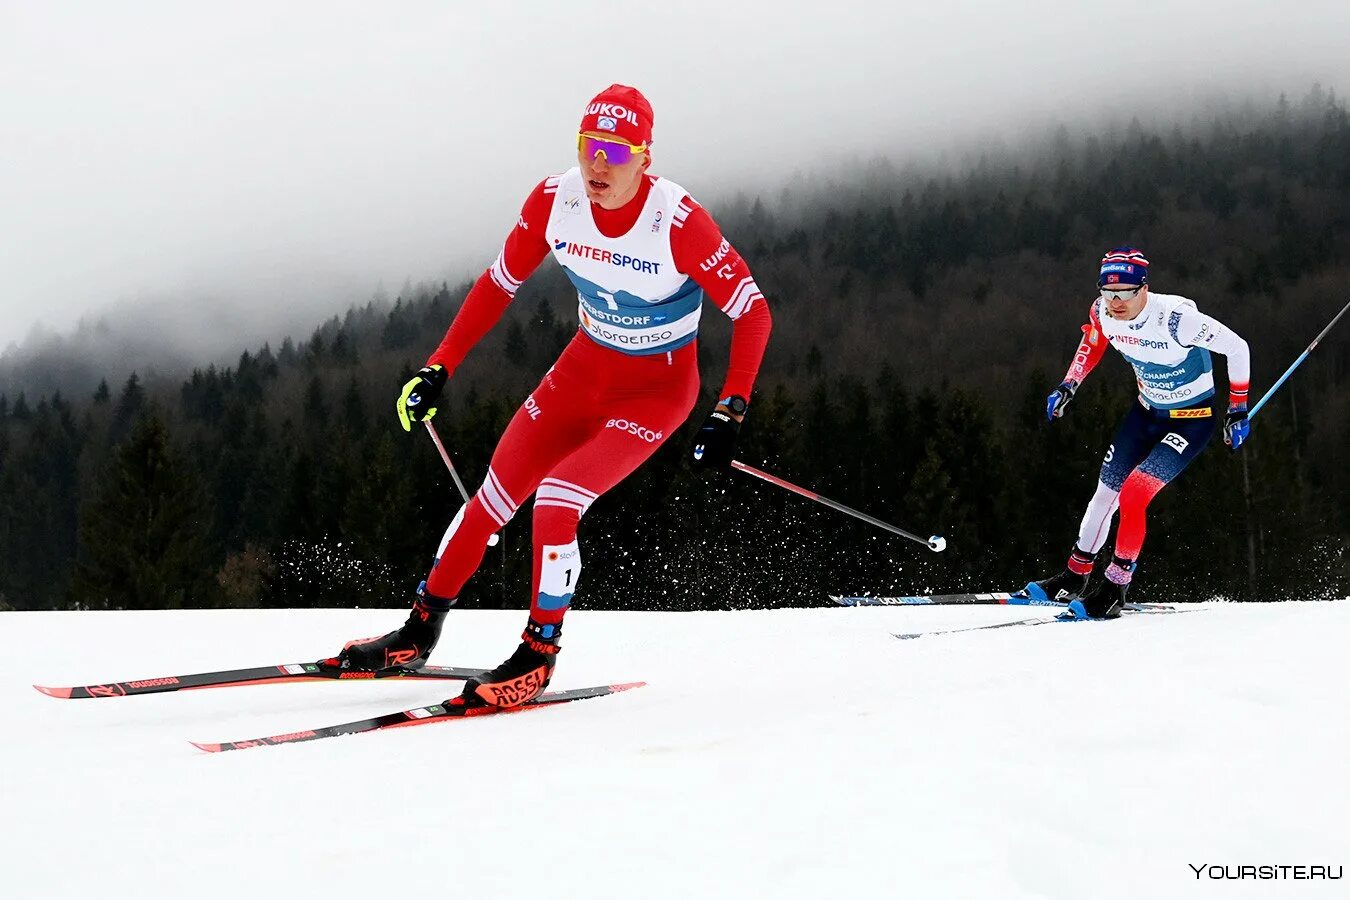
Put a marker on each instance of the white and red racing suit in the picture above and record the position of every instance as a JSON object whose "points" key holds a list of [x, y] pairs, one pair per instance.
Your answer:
{"points": [[623, 385]]}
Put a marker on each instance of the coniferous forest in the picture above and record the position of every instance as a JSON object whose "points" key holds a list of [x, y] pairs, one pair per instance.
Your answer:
{"points": [[920, 320]]}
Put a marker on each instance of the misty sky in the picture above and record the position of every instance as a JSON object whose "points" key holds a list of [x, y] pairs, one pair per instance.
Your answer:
{"points": [[244, 167]]}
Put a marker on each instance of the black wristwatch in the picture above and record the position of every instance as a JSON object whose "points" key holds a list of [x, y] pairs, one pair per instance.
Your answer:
{"points": [[735, 403]]}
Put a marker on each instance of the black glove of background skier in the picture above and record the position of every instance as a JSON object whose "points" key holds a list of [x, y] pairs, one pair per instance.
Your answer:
{"points": [[716, 440]]}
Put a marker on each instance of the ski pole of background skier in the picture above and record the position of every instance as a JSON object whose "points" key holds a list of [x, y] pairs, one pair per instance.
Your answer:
{"points": [[936, 543], [436, 439], [1298, 362]]}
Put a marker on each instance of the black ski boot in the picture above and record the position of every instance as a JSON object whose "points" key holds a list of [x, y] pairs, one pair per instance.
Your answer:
{"points": [[404, 649], [1067, 585], [1106, 600], [521, 678], [1060, 588]]}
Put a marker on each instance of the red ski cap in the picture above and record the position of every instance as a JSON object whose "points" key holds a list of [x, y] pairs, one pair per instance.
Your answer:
{"points": [[622, 111]]}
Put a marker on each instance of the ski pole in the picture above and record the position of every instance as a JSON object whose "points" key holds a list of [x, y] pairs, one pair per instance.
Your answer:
{"points": [[1298, 362], [436, 439], [936, 543]]}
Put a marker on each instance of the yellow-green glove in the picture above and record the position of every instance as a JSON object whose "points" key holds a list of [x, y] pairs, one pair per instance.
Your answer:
{"points": [[415, 403]]}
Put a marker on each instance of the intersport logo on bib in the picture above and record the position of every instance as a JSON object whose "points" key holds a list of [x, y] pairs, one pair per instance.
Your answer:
{"points": [[1131, 341], [608, 257]]}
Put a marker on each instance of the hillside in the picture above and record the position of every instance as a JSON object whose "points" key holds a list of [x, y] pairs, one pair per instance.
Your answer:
{"points": [[787, 753]]}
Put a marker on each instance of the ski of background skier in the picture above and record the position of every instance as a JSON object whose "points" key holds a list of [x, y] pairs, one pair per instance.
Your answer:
{"points": [[1018, 598], [282, 674], [1042, 620], [422, 715]]}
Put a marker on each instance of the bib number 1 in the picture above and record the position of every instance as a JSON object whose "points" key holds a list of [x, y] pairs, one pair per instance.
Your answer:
{"points": [[558, 573]]}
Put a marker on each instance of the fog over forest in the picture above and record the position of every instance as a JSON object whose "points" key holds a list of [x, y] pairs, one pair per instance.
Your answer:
{"points": [[167, 337], [184, 182]]}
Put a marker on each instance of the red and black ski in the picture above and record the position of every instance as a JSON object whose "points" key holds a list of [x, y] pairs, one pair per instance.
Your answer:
{"points": [[422, 715], [261, 675]]}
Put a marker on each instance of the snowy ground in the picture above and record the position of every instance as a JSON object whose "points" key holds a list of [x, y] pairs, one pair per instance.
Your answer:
{"points": [[785, 754]]}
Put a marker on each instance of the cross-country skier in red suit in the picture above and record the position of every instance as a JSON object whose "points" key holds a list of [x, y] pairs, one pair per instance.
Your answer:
{"points": [[643, 257]]}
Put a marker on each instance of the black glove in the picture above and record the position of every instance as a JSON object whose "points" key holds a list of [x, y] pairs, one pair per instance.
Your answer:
{"points": [[417, 402], [716, 440], [1059, 399]]}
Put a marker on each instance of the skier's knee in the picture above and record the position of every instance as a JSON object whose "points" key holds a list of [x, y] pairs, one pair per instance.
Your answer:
{"points": [[555, 524], [495, 501], [558, 508], [1139, 490]]}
